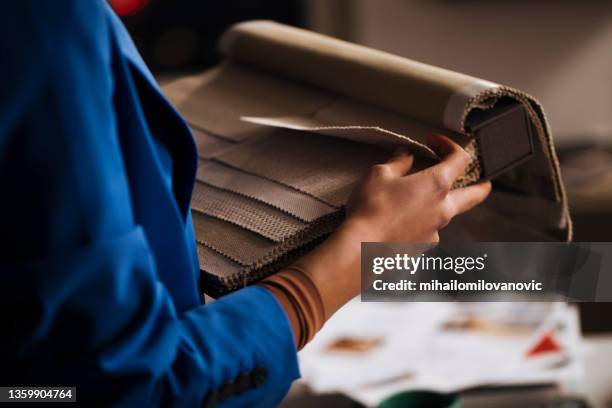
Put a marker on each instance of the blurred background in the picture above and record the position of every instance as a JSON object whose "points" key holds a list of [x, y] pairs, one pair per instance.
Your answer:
{"points": [[558, 51]]}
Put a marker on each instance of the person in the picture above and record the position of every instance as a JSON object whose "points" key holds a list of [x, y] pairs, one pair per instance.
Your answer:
{"points": [[98, 276]]}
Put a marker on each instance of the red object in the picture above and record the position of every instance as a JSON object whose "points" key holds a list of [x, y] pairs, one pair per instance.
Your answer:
{"points": [[128, 7], [547, 344]]}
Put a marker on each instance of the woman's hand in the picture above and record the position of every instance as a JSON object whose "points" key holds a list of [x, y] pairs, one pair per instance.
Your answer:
{"points": [[391, 205]]}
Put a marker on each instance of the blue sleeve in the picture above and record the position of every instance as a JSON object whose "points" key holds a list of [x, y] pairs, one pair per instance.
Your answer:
{"points": [[80, 301]]}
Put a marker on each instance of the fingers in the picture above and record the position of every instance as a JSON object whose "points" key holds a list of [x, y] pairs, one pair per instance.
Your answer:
{"points": [[454, 160], [464, 199], [400, 164]]}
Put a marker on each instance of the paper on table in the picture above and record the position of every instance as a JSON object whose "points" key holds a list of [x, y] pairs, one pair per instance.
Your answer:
{"points": [[417, 353], [403, 329]]}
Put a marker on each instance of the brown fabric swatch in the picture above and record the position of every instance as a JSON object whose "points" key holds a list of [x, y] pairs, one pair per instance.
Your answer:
{"points": [[296, 203], [324, 167], [217, 100], [215, 263], [217, 285], [245, 212], [238, 244], [208, 145], [303, 174], [252, 250]]}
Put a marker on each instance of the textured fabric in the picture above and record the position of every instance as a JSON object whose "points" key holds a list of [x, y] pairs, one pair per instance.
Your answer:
{"points": [[298, 204], [238, 244], [251, 249], [216, 264], [98, 279], [323, 167], [374, 135], [420, 92], [398, 84], [292, 111], [244, 212], [224, 283], [216, 100], [208, 145]]}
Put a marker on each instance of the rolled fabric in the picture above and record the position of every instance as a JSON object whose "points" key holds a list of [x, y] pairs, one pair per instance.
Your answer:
{"points": [[422, 92]]}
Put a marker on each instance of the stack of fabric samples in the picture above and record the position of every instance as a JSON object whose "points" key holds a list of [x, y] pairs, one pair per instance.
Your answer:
{"points": [[291, 120], [258, 205]]}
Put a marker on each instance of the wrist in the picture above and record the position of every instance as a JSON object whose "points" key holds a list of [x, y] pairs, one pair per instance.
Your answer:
{"points": [[360, 229], [334, 266]]}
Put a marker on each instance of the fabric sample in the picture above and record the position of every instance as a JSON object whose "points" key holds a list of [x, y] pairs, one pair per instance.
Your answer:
{"points": [[300, 205], [217, 285], [236, 243], [249, 248], [321, 166], [208, 145], [218, 99], [314, 114], [430, 95], [216, 264], [245, 212]]}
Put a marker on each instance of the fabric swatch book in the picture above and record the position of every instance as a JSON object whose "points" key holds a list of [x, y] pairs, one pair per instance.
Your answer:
{"points": [[291, 119]]}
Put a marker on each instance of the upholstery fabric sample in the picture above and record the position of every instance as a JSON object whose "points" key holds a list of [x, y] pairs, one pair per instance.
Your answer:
{"points": [[216, 99], [251, 249], [245, 212], [323, 167], [217, 264], [236, 243], [208, 145], [300, 117], [219, 275], [423, 93], [300, 205]]}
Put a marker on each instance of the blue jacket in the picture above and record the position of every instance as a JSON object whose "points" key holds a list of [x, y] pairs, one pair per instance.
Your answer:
{"points": [[98, 269]]}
